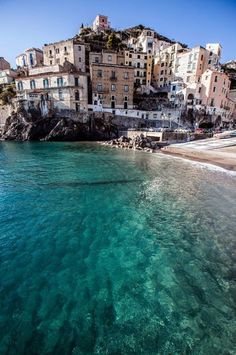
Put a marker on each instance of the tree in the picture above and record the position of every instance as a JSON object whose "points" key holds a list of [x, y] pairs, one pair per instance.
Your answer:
{"points": [[113, 42]]}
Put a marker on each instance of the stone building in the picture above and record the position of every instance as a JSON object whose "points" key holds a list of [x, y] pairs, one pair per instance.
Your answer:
{"points": [[70, 50], [32, 57], [61, 88], [112, 83]]}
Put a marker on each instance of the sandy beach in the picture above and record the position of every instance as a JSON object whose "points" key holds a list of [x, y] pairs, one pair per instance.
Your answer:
{"points": [[220, 152]]}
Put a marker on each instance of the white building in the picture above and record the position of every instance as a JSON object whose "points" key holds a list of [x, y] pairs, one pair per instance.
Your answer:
{"points": [[7, 76], [54, 87], [32, 57]]}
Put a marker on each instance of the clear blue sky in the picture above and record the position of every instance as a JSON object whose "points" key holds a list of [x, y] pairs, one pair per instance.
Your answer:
{"points": [[28, 23]]}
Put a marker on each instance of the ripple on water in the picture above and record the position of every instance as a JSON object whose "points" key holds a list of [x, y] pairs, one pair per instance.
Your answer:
{"points": [[114, 252]]}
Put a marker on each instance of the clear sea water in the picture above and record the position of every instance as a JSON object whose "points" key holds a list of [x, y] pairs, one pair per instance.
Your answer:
{"points": [[106, 251]]}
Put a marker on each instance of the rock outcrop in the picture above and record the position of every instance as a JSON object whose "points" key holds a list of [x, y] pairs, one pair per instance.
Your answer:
{"points": [[137, 143], [23, 127]]}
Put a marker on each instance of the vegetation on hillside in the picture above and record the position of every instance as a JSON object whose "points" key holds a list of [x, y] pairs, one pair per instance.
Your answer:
{"points": [[7, 93]]}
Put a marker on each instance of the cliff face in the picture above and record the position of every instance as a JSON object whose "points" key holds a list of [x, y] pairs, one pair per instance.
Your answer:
{"points": [[95, 126]]}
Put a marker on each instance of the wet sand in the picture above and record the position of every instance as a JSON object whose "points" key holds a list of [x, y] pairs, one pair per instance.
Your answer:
{"points": [[224, 157]]}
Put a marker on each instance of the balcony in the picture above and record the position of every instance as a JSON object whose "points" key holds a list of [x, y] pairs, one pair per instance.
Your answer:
{"points": [[113, 78]]}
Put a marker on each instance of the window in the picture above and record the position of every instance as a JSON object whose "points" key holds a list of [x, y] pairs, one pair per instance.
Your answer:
{"points": [[79, 48], [130, 64], [59, 82], [77, 107], [126, 88], [126, 75], [216, 80], [211, 54], [199, 90], [209, 61], [125, 105], [138, 65], [80, 59], [113, 74], [20, 86], [32, 84], [96, 59], [60, 95], [58, 60], [138, 56], [130, 56], [76, 81], [202, 57], [65, 49], [214, 89], [162, 64], [31, 59], [76, 95], [109, 58], [45, 83], [50, 62], [126, 98], [113, 87], [162, 72], [173, 88], [138, 73], [50, 52], [99, 73], [212, 102], [99, 87], [57, 50]]}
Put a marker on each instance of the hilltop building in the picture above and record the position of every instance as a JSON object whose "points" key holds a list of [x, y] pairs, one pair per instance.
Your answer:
{"points": [[101, 23]]}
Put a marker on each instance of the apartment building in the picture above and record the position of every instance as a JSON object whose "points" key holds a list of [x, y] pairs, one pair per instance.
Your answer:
{"points": [[164, 65], [53, 87], [70, 50], [32, 57], [142, 64], [112, 83]]}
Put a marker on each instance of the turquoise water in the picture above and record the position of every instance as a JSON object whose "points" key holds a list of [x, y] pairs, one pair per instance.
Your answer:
{"points": [[104, 251]]}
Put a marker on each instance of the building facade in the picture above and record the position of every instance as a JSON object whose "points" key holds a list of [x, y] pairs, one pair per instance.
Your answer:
{"points": [[54, 88], [32, 57], [101, 23], [112, 86], [4, 64], [70, 50]]}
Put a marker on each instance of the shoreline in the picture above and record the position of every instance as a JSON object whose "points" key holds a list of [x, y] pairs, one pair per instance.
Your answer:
{"points": [[216, 158]]}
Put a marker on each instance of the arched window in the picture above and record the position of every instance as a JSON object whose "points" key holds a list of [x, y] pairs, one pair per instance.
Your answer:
{"points": [[45, 83], [77, 95], [32, 84], [20, 86]]}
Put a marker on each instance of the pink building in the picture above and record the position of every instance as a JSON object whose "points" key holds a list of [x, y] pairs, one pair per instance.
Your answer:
{"points": [[101, 23]]}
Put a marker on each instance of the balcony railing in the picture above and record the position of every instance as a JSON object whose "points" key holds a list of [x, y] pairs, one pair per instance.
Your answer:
{"points": [[113, 78]]}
